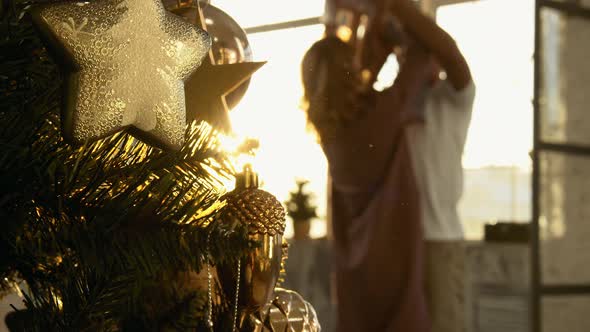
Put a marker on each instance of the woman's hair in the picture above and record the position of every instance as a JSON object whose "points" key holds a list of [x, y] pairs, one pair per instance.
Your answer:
{"points": [[331, 86]]}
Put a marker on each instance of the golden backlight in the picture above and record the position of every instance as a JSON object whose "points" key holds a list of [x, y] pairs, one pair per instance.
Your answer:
{"points": [[497, 40]]}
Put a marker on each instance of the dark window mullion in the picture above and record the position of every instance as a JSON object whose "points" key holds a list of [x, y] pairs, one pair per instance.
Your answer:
{"points": [[567, 7], [535, 299], [576, 149], [560, 289]]}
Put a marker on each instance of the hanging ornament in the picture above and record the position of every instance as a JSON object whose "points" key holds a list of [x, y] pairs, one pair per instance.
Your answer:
{"points": [[290, 312], [126, 64], [287, 312], [230, 45], [264, 217], [227, 69], [259, 306]]}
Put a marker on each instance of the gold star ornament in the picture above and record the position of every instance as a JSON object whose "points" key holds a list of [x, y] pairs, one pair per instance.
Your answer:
{"points": [[126, 64]]}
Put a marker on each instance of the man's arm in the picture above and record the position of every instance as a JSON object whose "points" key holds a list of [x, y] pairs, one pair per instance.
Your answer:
{"points": [[410, 83], [435, 40]]}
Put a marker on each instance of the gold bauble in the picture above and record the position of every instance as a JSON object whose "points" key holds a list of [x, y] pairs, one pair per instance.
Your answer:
{"points": [[226, 70]]}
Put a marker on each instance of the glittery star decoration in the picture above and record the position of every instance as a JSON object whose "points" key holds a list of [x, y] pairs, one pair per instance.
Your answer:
{"points": [[207, 102], [126, 63]]}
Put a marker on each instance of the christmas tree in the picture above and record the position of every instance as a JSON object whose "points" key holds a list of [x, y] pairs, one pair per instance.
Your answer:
{"points": [[105, 232]]}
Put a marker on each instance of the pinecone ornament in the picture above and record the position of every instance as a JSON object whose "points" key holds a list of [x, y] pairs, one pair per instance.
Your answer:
{"points": [[264, 216], [259, 210]]}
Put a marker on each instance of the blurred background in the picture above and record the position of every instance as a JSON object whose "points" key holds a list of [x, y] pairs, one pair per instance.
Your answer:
{"points": [[497, 39], [524, 205]]}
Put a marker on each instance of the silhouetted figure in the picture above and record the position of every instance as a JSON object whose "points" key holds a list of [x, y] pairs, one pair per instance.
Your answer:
{"points": [[380, 153]]}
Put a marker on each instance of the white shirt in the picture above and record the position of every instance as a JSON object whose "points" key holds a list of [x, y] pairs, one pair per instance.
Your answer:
{"points": [[436, 147]]}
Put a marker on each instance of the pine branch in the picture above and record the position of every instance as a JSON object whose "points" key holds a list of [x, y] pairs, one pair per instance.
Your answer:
{"points": [[93, 229]]}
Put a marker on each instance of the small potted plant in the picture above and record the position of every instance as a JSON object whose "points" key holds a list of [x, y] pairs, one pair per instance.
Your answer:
{"points": [[301, 210]]}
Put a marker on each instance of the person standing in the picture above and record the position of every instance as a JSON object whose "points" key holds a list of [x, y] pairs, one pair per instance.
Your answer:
{"points": [[436, 144], [376, 225], [379, 147]]}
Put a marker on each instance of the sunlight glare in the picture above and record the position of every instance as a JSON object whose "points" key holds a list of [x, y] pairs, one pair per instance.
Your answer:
{"points": [[497, 38], [270, 112]]}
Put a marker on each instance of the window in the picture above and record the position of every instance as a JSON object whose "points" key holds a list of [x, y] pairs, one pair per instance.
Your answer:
{"points": [[262, 12], [270, 110], [497, 40]]}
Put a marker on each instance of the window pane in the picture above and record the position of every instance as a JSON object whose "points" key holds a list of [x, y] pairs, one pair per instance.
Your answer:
{"points": [[565, 313], [270, 111], [499, 53], [500, 57], [260, 12], [565, 78], [564, 192]]}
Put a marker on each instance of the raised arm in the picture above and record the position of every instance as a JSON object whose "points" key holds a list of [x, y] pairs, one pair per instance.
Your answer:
{"points": [[434, 39]]}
